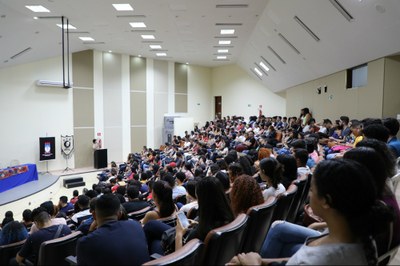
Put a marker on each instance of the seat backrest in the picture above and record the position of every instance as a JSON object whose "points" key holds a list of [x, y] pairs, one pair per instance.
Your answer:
{"points": [[9, 251], [170, 220], [260, 218], [224, 242], [181, 199], [306, 189], [187, 255], [284, 202], [395, 180], [301, 184], [54, 252], [138, 215]]}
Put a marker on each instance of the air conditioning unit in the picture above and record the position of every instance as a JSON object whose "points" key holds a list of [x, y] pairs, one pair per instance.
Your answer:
{"points": [[50, 83]]}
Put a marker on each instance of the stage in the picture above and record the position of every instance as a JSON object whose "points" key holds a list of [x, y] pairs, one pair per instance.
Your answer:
{"points": [[46, 181]]}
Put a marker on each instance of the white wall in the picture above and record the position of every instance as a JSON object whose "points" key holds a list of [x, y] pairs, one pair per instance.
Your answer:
{"points": [[28, 112], [199, 94], [241, 94]]}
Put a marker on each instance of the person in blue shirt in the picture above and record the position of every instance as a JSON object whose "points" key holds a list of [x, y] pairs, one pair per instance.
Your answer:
{"points": [[392, 125], [13, 232], [113, 242], [64, 205]]}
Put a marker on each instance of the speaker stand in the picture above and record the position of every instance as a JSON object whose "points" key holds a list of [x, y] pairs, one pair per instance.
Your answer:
{"points": [[67, 168]]}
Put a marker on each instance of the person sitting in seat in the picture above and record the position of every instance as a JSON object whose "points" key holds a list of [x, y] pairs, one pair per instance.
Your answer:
{"points": [[113, 242], [134, 203], [271, 173], [46, 231]]}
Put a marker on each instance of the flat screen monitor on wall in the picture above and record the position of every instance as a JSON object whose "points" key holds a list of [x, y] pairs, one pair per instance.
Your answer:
{"points": [[47, 148]]}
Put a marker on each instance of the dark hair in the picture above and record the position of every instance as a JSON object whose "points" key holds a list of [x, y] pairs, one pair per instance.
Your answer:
{"points": [[83, 201], [214, 210], [222, 164], [302, 156], [376, 131], [107, 205], [180, 176], [162, 194], [246, 165], [191, 188], [298, 144], [91, 194], [224, 179], [235, 169], [214, 168], [132, 192], [121, 190], [27, 215], [245, 193], [40, 215], [64, 199], [273, 169], [383, 150], [48, 206], [371, 160], [345, 119], [349, 189], [392, 124], [289, 166], [370, 121], [75, 193], [169, 179]]}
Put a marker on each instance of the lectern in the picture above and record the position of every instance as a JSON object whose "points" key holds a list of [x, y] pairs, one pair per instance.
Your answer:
{"points": [[100, 158]]}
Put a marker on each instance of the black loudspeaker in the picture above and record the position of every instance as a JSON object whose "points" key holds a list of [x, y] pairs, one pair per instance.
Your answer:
{"points": [[100, 158]]}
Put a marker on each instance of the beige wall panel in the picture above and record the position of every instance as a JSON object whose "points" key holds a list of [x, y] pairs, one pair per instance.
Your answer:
{"points": [[82, 69], [83, 108], [160, 76], [138, 138], [181, 103], [391, 90], [138, 108], [83, 153], [138, 73], [181, 78], [356, 103], [161, 108]]}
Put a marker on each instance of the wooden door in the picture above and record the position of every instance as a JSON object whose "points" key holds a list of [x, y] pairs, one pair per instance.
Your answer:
{"points": [[218, 106]]}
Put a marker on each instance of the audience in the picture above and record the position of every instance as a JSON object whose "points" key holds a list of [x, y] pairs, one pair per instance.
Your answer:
{"points": [[271, 173], [13, 232], [245, 193]]}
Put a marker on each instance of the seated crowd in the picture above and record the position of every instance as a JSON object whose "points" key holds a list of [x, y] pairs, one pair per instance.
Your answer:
{"points": [[218, 171]]}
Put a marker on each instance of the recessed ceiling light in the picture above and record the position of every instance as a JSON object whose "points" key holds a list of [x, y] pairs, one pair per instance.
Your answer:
{"points": [[228, 31], [123, 7], [70, 27], [155, 46], [264, 66], [148, 37], [224, 42], [223, 50], [109, 51], [140, 55], [38, 8], [258, 72], [35, 18], [137, 24], [161, 54], [221, 57], [86, 39], [187, 63]]}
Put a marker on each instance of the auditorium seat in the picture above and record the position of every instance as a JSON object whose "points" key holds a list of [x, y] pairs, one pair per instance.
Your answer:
{"points": [[224, 242], [187, 255], [284, 202], [296, 204], [260, 218], [170, 220], [54, 252], [138, 215], [9, 251]]}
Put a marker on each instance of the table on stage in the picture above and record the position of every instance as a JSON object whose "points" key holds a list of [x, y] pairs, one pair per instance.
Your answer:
{"points": [[20, 178]]}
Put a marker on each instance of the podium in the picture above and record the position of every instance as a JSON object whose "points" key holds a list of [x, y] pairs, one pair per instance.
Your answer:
{"points": [[100, 158]]}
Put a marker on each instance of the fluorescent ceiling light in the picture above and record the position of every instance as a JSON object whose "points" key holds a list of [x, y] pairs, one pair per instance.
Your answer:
{"points": [[137, 24], [155, 46], [224, 42], [148, 37], [223, 50], [70, 27], [38, 8], [86, 39], [258, 72], [264, 66], [221, 57], [230, 31], [161, 54], [123, 7]]}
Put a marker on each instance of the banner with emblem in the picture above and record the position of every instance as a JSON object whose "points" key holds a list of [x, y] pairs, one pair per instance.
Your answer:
{"points": [[67, 145]]}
